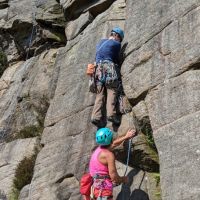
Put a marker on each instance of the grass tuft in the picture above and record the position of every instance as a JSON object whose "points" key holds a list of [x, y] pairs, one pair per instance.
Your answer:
{"points": [[3, 62], [23, 175], [26, 132]]}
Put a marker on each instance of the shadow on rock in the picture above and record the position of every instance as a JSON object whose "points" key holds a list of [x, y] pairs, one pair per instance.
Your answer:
{"points": [[136, 194], [139, 194]]}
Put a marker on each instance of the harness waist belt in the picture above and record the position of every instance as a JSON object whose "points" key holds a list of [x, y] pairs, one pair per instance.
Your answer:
{"points": [[105, 61], [101, 176]]}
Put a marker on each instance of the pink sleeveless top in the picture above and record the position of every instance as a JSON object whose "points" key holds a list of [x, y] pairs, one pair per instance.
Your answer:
{"points": [[95, 166]]}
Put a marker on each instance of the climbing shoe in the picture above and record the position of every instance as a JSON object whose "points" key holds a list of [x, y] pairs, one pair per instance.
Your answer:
{"points": [[114, 120]]}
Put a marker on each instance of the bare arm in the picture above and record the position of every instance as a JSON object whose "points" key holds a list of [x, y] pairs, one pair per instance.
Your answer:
{"points": [[130, 134], [112, 169]]}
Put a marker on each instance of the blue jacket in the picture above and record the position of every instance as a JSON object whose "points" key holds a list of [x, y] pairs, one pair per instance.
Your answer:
{"points": [[108, 50]]}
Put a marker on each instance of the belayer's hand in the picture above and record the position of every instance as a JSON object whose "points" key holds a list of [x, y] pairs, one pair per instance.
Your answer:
{"points": [[131, 133], [126, 179]]}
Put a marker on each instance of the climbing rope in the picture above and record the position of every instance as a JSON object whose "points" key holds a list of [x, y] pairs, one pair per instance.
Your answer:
{"points": [[128, 156], [130, 140], [34, 27]]}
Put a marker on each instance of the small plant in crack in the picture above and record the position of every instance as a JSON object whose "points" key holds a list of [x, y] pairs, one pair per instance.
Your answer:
{"points": [[147, 130], [26, 132], [3, 62], [23, 174]]}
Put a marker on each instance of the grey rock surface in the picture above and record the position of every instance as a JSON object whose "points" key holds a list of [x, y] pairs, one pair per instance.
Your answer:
{"points": [[74, 8], [49, 12], [24, 192], [68, 90], [137, 186], [27, 28], [19, 10], [182, 88], [10, 156], [25, 92], [160, 75], [68, 129], [140, 110], [176, 134], [75, 27], [8, 46], [145, 20], [3, 14], [166, 55]]}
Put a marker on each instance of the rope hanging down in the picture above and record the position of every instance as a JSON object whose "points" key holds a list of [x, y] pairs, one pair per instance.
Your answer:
{"points": [[130, 140], [128, 156], [34, 27]]}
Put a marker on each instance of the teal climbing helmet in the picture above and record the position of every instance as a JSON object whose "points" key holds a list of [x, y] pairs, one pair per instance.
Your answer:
{"points": [[104, 136], [119, 31]]}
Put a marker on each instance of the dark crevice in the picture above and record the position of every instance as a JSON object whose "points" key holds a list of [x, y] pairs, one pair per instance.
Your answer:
{"points": [[191, 67], [70, 115], [3, 5], [143, 154], [77, 8], [40, 42], [55, 29], [193, 7], [90, 20], [135, 101], [66, 176], [195, 66], [145, 128], [4, 164], [139, 159], [100, 8]]}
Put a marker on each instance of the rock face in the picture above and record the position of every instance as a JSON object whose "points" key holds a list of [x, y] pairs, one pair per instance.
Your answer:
{"points": [[44, 89], [176, 130], [160, 52], [10, 156], [25, 92]]}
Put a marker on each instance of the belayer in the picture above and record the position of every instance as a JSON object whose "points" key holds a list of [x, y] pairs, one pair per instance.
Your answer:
{"points": [[107, 77], [102, 167]]}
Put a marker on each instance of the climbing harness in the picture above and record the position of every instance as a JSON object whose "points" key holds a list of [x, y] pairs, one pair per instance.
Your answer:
{"points": [[111, 76], [106, 71], [101, 183], [106, 74]]}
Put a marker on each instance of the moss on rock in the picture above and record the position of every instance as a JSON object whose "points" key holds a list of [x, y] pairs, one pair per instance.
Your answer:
{"points": [[145, 126], [3, 62], [27, 132], [154, 186], [23, 175]]}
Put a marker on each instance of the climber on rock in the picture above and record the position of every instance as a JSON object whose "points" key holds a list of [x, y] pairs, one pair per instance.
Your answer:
{"points": [[106, 77], [102, 165]]}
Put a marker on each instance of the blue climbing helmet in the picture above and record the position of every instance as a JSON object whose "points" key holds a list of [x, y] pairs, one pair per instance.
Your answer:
{"points": [[104, 136], [118, 31]]}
